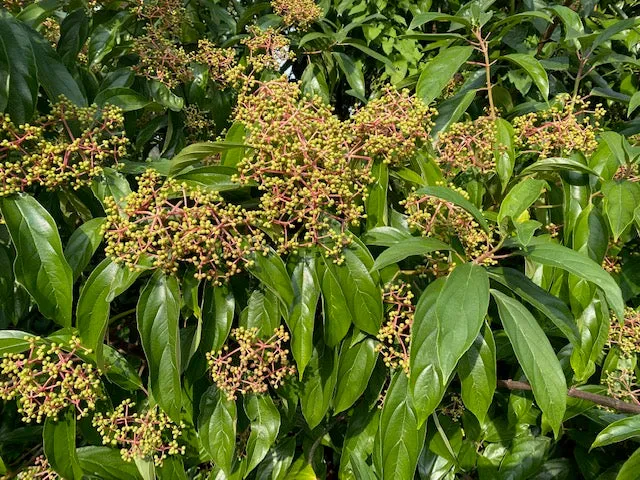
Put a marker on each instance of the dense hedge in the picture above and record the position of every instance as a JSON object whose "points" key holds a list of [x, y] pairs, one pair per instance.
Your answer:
{"points": [[289, 240]]}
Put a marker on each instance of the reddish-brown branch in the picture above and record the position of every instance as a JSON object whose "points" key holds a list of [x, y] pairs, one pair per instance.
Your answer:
{"points": [[603, 400]]}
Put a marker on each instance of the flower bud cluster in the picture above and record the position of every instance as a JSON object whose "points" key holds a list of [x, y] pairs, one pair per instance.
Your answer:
{"points": [[221, 62], [394, 125], [395, 334], [297, 13], [40, 470], [268, 49], [468, 145], [568, 126], [622, 384], [165, 17], [307, 164], [197, 122], [626, 335], [170, 223], [253, 364], [148, 434], [161, 59], [443, 220], [629, 171], [66, 148], [49, 379]]}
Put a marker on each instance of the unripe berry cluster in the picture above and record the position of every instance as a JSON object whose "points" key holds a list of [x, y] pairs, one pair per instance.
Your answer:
{"points": [[163, 16], [221, 62], [161, 59], [437, 218], [40, 470], [49, 379], [468, 145], [268, 49], [147, 434], [395, 334], [626, 334], [622, 384], [568, 126], [297, 13], [394, 125], [198, 124], [66, 148], [170, 223], [307, 164], [253, 364]]}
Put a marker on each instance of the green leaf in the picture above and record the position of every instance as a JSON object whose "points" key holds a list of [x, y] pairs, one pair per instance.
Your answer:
{"points": [[277, 461], [106, 463], [477, 372], [524, 458], [423, 18], [363, 297], [197, 152], [630, 468], [59, 443], [158, 313], [456, 198], [216, 178], [400, 437], [217, 428], [536, 357], [555, 255], [271, 271], [218, 307], [447, 320], [620, 202], [172, 468], [118, 370], [549, 305], [385, 236], [20, 76], [570, 19], [619, 431], [451, 110], [74, 31], [318, 384], [356, 364], [107, 281], [13, 341], [265, 424], [557, 164], [336, 314], [52, 73], [83, 243], [125, 98], [634, 103], [353, 72], [594, 333], [440, 70], [40, 266], [533, 68], [520, 198], [306, 290], [504, 151], [407, 248]]}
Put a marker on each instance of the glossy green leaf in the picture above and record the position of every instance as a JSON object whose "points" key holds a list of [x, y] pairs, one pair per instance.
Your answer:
{"points": [[447, 321], [478, 376], [40, 266], [107, 281], [59, 444], [106, 463], [318, 384], [630, 468], [158, 313], [536, 357], [356, 364], [301, 320], [400, 437], [618, 432], [524, 458], [270, 270], [125, 98], [533, 68], [265, 424], [197, 152], [353, 73], [362, 296], [620, 202], [406, 248], [440, 70], [13, 341], [217, 428], [82, 244], [554, 255], [456, 198], [520, 198]]}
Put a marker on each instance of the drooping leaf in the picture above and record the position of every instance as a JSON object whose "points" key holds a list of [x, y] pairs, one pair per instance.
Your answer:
{"points": [[59, 443], [106, 463], [536, 357], [158, 313], [619, 431], [265, 424], [217, 428], [82, 244], [440, 70], [40, 266], [318, 384], [533, 68], [356, 363]]}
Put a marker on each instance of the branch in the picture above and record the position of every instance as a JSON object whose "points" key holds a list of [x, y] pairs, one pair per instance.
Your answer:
{"points": [[603, 400]]}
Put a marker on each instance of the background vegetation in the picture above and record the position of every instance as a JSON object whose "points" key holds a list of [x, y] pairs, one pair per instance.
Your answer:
{"points": [[289, 240]]}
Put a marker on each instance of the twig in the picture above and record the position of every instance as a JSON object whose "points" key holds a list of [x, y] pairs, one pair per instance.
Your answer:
{"points": [[603, 400]]}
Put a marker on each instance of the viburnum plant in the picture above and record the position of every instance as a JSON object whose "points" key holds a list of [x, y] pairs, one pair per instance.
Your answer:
{"points": [[334, 239]]}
